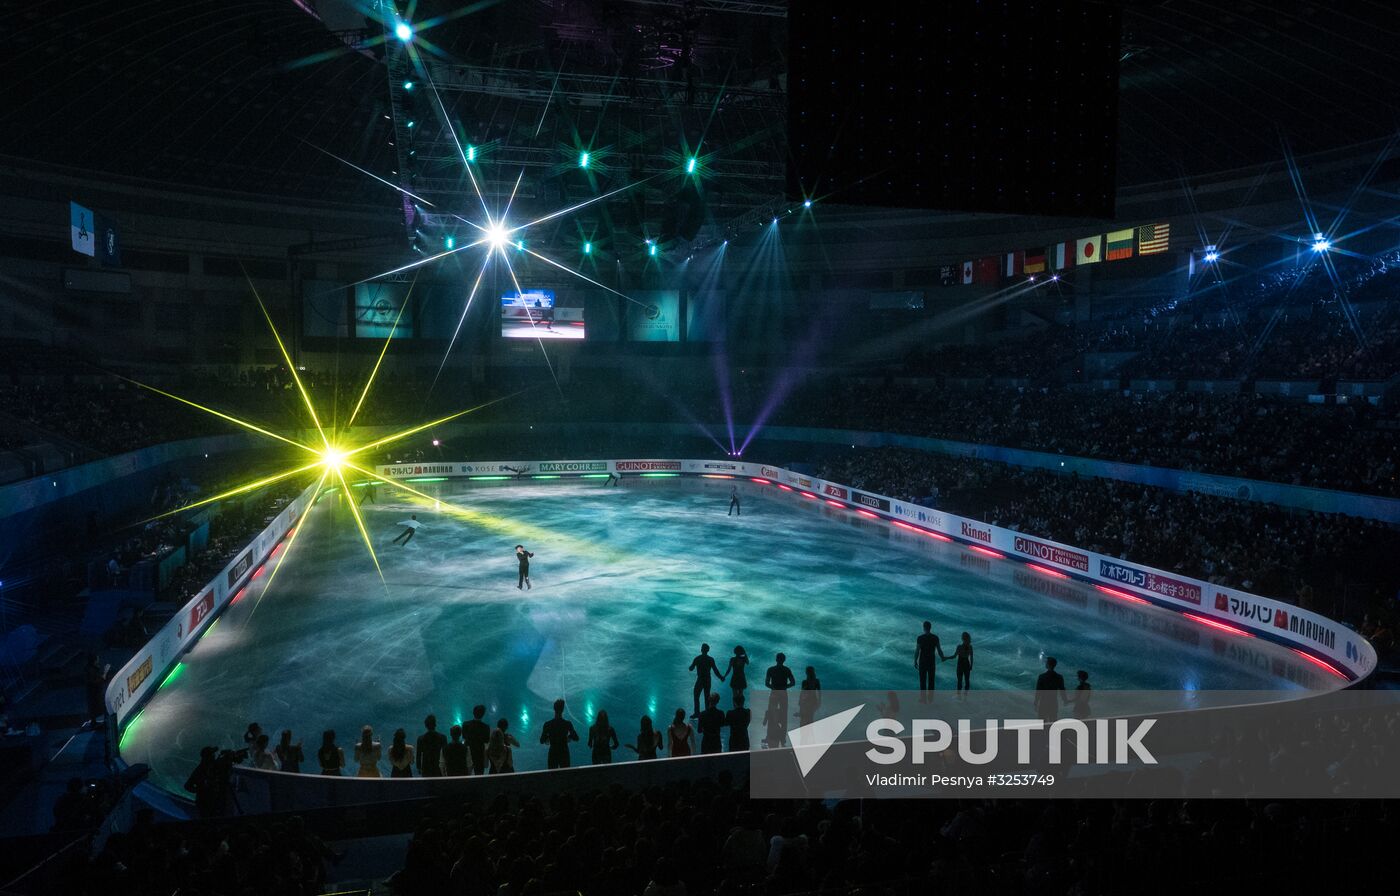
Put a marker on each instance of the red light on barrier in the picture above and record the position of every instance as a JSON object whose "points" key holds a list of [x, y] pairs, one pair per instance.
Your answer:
{"points": [[938, 535], [759, 481], [1047, 571], [785, 488], [1123, 594], [809, 496], [715, 476], [1214, 623], [987, 551], [867, 514], [1317, 662], [835, 503]]}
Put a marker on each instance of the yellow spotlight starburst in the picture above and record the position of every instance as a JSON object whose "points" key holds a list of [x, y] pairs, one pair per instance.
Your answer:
{"points": [[330, 462]]}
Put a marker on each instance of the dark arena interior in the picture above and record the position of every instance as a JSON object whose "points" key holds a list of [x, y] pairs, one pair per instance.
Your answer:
{"points": [[686, 447]]}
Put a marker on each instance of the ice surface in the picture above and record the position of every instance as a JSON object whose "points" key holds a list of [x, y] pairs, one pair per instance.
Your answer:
{"points": [[627, 583]]}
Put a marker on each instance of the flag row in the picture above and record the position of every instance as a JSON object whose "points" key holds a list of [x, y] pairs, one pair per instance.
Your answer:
{"points": [[1116, 245]]}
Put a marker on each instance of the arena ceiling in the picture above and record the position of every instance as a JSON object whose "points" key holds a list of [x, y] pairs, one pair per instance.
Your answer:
{"points": [[297, 99]]}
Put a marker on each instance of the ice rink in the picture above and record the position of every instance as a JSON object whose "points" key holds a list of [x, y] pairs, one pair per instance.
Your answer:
{"points": [[627, 583]]}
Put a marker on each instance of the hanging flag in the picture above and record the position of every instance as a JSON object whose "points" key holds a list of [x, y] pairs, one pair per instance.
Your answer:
{"points": [[1153, 238], [986, 271], [947, 274], [1088, 250], [1015, 262], [80, 228], [109, 249], [1035, 261], [1120, 245], [967, 273], [1062, 257]]}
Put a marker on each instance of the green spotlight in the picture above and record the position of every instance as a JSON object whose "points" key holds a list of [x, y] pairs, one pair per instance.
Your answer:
{"points": [[450, 242], [651, 247], [471, 153], [583, 159], [411, 123], [691, 164], [408, 85], [587, 248]]}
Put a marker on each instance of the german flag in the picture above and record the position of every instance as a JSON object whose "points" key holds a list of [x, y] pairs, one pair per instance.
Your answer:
{"points": [[1120, 245], [1035, 261]]}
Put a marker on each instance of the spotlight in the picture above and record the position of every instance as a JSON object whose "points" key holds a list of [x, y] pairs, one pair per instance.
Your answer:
{"points": [[411, 123], [806, 203], [690, 165], [775, 220], [587, 248], [520, 244], [408, 85], [583, 159], [1054, 276], [1321, 243], [403, 31], [450, 242], [1212, 257], [651, 247], [497, 235], [471, 152]]}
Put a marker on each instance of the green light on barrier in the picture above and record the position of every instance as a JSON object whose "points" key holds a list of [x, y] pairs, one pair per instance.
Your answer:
{"points": [[545, 476], [428, 479], [126, 732], [659, 475], [174, 674], [210, 628], [359, 484], [595, 475], [330, 491], [486, 478]]}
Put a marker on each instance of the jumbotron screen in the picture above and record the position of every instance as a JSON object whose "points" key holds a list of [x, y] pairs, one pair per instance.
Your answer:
{"points": [[532, 313]]}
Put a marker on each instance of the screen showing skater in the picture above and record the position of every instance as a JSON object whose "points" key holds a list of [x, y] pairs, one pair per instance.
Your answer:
{"points": [[533, 314]]}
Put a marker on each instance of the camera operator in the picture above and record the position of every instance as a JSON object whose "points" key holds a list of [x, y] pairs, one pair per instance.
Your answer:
{"points": [[211, 782]]}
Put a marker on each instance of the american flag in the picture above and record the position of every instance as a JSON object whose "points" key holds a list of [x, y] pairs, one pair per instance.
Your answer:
{"points": [[1153, 238]]}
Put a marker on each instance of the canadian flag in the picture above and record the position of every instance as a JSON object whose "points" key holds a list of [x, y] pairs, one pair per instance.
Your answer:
{"points": [[967, 272]]}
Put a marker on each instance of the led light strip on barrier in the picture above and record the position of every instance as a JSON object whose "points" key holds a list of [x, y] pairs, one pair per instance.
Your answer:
{"points": [[135, 681], [1322, 641]]}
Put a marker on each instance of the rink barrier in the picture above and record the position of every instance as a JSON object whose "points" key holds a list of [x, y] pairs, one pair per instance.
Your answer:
{"points": [[1324, 642], [134, 683]]}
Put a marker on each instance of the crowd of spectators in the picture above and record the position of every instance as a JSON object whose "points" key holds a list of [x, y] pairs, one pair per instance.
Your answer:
{"points": [[707, 837], [1331, 563], [1350, 447], [1292, 323], [217, 859]]}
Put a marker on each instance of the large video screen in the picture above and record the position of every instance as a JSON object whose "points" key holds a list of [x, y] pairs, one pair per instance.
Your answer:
{"points": [[533, 313]]}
